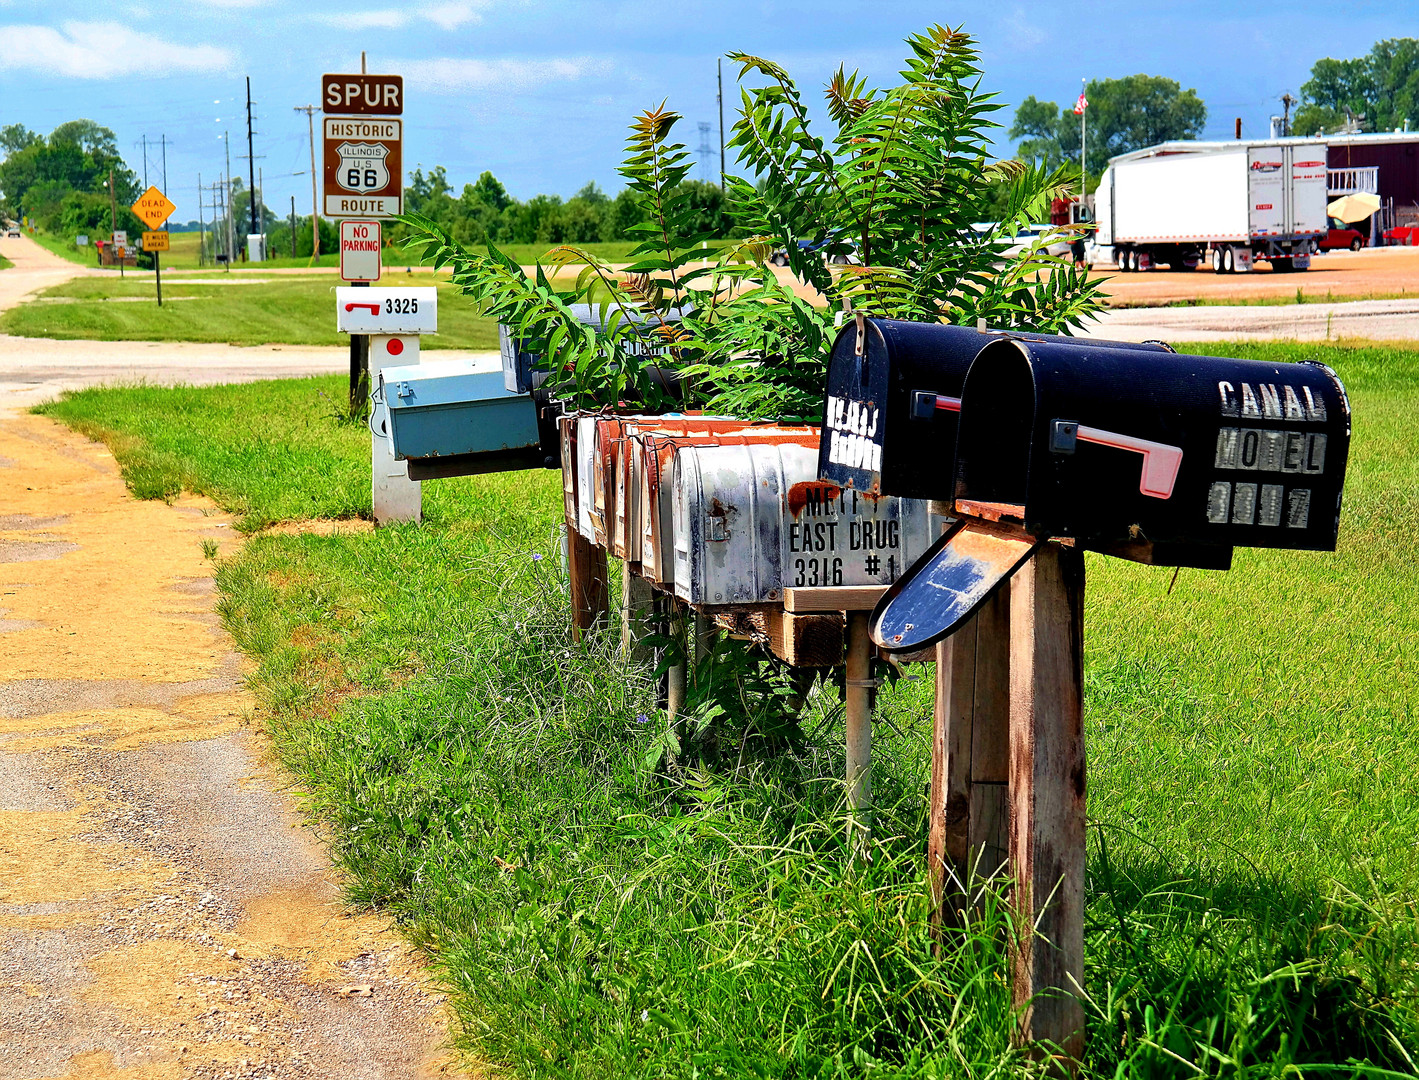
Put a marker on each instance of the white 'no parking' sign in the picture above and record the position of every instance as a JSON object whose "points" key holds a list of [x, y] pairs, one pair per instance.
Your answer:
{"points": [[359, 250]]}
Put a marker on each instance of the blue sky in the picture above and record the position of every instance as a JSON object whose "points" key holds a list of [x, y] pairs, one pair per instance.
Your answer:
{"points": [[539, 91]]}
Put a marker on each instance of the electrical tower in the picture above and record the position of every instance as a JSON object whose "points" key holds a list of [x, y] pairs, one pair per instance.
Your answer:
{"points": [[705, 150]]}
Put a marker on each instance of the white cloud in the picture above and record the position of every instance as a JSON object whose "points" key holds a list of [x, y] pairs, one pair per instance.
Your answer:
{"points": [[449, 15], [105, 50], [451, 76]]}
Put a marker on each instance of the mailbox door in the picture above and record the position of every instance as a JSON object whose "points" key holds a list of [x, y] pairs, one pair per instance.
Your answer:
{"points": [[585, 475], [1113, 447], [566, 430]]}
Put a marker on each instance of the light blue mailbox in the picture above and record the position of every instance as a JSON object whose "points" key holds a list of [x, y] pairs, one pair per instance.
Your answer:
{"points": [[448, 418]]}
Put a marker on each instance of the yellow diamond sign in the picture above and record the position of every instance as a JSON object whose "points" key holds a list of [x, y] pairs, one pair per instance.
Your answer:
{"points": [[153, 207]]}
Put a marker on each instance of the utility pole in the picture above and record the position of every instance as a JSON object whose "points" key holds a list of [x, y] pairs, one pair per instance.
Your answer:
{"points": [[145, 163], [113, 217], [165, 164], [309, 111], [201, 226], [719, 99], [293, 226], [1286, 102], [227, 203], [250, 156], [261, 188]]}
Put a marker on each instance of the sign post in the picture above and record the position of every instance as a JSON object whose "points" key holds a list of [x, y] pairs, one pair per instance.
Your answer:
{"points": [[153, 209], [363, 170]]}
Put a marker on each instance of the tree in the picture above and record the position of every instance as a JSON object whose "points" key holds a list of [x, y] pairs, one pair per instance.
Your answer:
{"points": [[1124, 115], [16, 137], [901, 177], [1379, 91]]}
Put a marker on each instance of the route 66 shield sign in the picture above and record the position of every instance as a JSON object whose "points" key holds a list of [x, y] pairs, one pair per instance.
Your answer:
{"points": [[363, 166]]}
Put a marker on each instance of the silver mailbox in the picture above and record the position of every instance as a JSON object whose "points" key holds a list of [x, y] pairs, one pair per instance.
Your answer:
{"points": [[751, 520]]}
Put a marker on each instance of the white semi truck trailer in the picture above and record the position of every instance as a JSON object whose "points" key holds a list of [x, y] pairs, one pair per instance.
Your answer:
{"points": [[1182, 203]]}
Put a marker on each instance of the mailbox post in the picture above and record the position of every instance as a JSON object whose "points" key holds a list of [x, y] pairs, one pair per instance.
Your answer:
{"points": [[394, 319]]}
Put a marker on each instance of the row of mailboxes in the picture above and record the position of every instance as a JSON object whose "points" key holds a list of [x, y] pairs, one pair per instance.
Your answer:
{"points": [[1127, 449], [722, 512]]}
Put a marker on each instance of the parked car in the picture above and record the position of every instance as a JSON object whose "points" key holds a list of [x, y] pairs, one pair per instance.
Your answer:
{"points": [[779, 257], [13, 234], [1026, 236], [1341, 236]]}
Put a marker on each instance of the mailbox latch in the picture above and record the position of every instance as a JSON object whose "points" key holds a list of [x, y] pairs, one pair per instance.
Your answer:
{"points": [[405, 391], [1063, 436]]}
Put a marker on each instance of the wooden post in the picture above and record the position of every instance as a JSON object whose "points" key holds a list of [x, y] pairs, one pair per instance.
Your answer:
{"points": [[586, 570], [637, 611], [1047, 789], [705, 634], [676, 683], [859, 728], [969, 836]]}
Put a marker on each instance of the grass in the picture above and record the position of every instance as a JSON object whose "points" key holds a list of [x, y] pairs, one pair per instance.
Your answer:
{"points": [[291, 310], [5, 263], [1254, 783]]}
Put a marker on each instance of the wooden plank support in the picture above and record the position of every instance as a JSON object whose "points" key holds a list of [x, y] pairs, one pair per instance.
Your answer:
{"points": [[586, 569], [833, 598], [968, 838], [859, 730], [1047, 802], [806, 640]]}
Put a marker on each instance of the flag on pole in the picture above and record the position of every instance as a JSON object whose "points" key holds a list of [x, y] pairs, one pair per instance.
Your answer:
{"points": [[1081, 104]]}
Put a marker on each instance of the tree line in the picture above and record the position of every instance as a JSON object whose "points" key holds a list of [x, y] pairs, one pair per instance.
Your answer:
{"points": [[1375, 92]]}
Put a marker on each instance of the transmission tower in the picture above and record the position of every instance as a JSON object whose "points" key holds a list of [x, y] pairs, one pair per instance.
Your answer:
{"points": [[705, 150]]}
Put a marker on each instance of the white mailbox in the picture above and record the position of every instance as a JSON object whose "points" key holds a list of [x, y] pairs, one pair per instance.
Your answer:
{"points": [[750, 520], [386, 311]]}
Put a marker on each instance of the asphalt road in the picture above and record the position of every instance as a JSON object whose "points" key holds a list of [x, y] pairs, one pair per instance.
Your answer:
{"points": [[36, 369]]}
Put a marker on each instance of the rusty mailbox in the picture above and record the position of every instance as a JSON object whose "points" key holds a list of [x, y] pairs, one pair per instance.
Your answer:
{"points": [[1162, 458], [893, 399]]}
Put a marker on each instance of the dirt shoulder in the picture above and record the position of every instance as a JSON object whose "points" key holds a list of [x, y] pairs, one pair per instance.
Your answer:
{"points": [[162, 914]]}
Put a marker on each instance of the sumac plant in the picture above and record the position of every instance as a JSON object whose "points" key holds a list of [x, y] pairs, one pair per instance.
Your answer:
{"points": [[897, 213]]}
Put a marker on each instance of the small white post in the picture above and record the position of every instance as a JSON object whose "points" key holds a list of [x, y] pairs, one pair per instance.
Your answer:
{"points": [[396, 497]]}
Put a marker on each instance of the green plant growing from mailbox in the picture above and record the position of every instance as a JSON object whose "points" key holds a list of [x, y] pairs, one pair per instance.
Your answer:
{"points": [[883, 216]]}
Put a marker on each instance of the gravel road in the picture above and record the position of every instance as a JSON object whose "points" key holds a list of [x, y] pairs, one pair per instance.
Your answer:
{"points": [[164, 913]]}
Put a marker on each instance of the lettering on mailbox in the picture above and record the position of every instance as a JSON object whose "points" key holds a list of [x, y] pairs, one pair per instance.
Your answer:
{"points": [[854, 434], [1287, 451], [834, 536]]}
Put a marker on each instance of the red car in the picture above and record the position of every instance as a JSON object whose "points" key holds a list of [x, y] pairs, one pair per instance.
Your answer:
{"points": [[1342, 237]]}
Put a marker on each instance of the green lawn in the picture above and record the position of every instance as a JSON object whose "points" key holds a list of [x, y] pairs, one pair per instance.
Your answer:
{"points": [[5, 263], [1254, 782], [292, 310]]}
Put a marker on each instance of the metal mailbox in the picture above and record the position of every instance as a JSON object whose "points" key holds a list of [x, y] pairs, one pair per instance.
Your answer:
{"points": [[1189, 454], [386, 311], [653, 462], [893, 399], [1166, 459], [449, 418], [523, 370], [750, 520]]}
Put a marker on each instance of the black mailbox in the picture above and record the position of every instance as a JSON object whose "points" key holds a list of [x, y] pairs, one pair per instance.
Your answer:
{"points": [[1148, 455], [893, 399], [1186, 455]]}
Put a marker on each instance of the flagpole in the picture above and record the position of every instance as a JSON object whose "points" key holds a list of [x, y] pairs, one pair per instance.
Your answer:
{"points": [[1083, 130]]}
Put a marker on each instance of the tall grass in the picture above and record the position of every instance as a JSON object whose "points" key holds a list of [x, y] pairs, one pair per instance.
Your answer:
{"points": [[1254, 779]]}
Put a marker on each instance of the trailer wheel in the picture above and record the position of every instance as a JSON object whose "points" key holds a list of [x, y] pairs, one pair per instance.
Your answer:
{"points": [[1217, 260], [1229, 264]]}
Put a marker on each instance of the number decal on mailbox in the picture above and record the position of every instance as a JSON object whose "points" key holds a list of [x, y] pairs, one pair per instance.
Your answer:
{"points": [[401, 305]]}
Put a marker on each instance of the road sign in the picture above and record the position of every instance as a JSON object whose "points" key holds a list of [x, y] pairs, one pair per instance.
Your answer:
{"points": [[155, 241], [120, 239], [364, 169], [362, 95], [153, 207], [359, 250]]}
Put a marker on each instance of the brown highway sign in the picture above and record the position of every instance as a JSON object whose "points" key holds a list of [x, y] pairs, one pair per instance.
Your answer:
{"points": [[362, 95], [364, 169]]}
